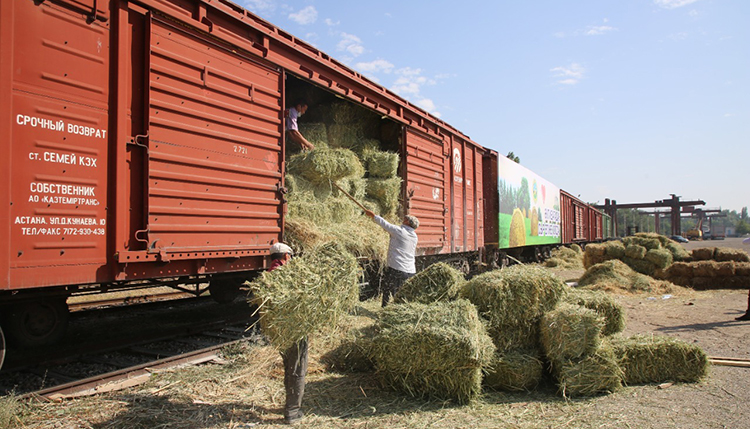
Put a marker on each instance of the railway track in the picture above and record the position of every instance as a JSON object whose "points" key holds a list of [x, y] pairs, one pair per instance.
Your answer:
{"points": [[109, 349]]}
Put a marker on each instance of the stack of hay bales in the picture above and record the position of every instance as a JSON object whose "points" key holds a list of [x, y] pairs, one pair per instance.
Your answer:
{"points": [[712, 267], [646, 253], [653, 359], [436, 350], [310, 292], [438, 282], [512, 301], [583, 365]]}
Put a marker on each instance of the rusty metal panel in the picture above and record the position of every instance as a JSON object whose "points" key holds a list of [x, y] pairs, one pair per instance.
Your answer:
{"points": [[59, 132], [214, 153], [457, 198], [478, 199], [425, 185], [490, 201]]}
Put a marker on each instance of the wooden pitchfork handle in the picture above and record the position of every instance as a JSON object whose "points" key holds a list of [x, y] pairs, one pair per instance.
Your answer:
{"points": [[350, 197]]}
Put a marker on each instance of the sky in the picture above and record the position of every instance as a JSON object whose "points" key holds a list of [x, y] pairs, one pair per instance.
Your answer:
{"points": [[631, 100]]}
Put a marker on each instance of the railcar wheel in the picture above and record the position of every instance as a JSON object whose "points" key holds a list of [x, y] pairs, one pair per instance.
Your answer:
{"points": [[36, 323]]}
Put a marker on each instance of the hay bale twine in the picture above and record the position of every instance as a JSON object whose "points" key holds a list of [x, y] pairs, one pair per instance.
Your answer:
{"points": [[657, 359], [515, 370], [513, 300], [593, 374], [635, 251], [725, 254], [661, 258], [434, 350], [438, 282], [321, 165], [703, 254], [603, 304], [570, 331], [310, 292]]}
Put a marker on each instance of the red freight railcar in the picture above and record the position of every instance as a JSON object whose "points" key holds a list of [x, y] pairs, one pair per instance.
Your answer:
{"points": [[579, 222], [143, 140]]}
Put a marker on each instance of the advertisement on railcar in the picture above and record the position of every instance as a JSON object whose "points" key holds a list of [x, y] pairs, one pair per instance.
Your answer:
{"points": [[529, 207]]}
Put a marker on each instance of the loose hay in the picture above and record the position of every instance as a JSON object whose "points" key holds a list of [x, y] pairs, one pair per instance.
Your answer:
{"points": [[513, 300], [438, 282], [603, 304], [565, 257], [435, 350], [591, 375], [656, 359], [515, 370], [615, 273], [570, 332], [310, 292]]}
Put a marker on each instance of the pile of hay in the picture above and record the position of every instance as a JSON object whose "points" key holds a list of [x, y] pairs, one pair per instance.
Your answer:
{"points": [[434, 350], [310, 292], [657, 359], [438, 282], [569, 258], [515, 370], [710, 268], [513, 301], [615, 275], [603, 304], [646, 253]]}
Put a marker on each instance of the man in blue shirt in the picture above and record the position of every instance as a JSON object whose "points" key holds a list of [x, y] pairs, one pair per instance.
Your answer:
{"points": [[401, 250]]}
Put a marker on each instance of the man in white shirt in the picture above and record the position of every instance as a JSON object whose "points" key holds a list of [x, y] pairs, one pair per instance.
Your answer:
{"points": [[401, 250], [299, 109]]}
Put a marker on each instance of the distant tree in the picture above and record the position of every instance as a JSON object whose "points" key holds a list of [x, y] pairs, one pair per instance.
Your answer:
{"points": [[743, 214], [512, 156], [743, 227]]}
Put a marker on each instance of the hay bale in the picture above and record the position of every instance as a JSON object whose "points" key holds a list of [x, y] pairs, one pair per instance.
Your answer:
{"points": [[724, 269], [315, 133], [381, 165], [603, 304], [438, 282], [594, 254], [742, 269], [703, 268], [321, 165], [345, 136], [434, 350], [640, 265], [661, 258], [310, 292], [662, 239], [657, 359], [591, 375], [680, 269], [513, 300], [354, 186], [703, 283], [737, 282], [678, 252], [703, 254], [570, 332], [614, 249], [385, 192], [515, 370], [724, 254], [635, 251], [565, 257]]}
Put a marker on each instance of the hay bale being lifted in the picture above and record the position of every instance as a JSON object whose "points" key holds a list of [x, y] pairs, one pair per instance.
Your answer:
{"points": [[434, 350], [515, 370], [310, 292], [321, 165], [656, 359], [438, 282], [385, 192]]}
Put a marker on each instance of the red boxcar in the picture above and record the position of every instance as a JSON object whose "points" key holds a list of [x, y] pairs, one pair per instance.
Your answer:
{"points": [[579, 222], [144, 140]]}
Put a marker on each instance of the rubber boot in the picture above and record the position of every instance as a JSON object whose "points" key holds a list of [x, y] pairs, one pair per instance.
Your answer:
{"points": [[295, 369]]}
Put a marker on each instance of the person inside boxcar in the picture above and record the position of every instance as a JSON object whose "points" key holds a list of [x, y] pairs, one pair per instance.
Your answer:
{"points": [[292, 129], [401, 250], [295, 357]]}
